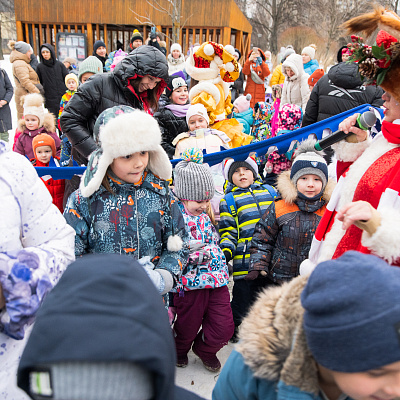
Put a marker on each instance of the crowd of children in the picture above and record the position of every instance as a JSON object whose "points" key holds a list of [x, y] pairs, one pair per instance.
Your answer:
{"points": [[191, 227]]}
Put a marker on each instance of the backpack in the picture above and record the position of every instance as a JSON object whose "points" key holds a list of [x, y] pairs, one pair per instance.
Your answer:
{"points": [[230, 202]]}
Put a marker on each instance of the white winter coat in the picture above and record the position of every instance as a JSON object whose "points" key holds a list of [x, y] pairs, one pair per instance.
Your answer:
{"points": [[31, 227], [175, 65], [295, 89]]}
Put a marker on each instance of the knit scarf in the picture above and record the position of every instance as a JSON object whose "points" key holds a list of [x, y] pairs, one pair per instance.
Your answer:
{"points": [[258, 61], [179, 110], [391, 132]]}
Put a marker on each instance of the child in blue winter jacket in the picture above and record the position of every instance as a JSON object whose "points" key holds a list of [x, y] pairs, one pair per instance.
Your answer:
{"points": [[201, 297], [245, 202], [243, 112], [123, 204]]}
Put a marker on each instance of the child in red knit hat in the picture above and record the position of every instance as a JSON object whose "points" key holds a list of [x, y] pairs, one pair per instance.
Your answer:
{"points": [[44, 148]]}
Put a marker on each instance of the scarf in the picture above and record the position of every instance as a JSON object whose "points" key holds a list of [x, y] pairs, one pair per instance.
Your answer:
{"points": [[391, 132], [179, 110]]}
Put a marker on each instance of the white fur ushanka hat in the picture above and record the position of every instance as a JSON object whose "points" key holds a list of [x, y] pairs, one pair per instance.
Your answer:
{"points": [[123, 135]]}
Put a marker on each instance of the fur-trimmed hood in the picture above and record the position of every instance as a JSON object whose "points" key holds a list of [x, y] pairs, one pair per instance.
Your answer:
{"points": [[288, 190], [273, 342], [295, 63], [49, 123]]}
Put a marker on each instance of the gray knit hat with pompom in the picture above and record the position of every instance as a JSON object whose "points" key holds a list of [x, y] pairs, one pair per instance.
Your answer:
{"points": [[193, 181]]}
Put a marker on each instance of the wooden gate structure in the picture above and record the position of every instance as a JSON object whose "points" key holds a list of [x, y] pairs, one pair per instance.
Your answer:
{"points": [[38, 22]]}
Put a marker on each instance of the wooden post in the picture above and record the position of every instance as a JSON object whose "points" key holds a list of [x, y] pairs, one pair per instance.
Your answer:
{"points": [[105, 36], [26, 33], [89, 37], [207, 35], [226, 36], [34, 39], [41, 41], [180, 41], [20, 31], [48, 34], [97, 31], [55, 34], [69, 28], [144, 34], [187, 38]]}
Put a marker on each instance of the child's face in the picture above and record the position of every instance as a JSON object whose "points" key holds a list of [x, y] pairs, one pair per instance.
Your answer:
{"points": [[196, 207], [130, 168], [71, 84], [176, 54], [235, 110], [136, 43], [243, 177], [43, 154], [197, 122], [380, 384], [31, 122], [86, 76], [289, 72], [180, 96], [46, 54], [306, 58], [148, 82], [309, 185]]}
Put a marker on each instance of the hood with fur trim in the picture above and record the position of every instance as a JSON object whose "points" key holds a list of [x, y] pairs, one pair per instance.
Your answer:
{"points": [[295, 63], [273, 343], [49, 123], [288, 190]]}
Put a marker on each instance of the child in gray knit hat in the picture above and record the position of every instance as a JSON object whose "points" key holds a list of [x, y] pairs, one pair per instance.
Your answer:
{"points": [[201, 298]]}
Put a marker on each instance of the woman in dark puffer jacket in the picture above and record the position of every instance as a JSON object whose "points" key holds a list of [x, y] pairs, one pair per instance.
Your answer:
{"points": [[137, 81], [51, 73]]}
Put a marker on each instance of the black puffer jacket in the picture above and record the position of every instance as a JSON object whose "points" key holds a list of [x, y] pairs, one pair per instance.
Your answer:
{"points": [[6, 93], [338, 91], [170, 126], [52, 75], [103, 91]]}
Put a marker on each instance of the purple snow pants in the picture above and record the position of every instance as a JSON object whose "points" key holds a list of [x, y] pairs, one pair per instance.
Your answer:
{"points": [[206, 308]]}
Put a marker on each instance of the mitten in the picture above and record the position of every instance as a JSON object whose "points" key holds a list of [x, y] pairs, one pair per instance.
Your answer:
{"points": [[161, 278], [227, 255], [251, 275]]}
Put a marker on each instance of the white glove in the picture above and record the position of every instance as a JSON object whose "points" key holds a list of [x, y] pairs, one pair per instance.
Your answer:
{"points": [[161, 278]]}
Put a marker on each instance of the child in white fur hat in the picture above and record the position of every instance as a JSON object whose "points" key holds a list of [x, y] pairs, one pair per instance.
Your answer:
{"points": [[35, 122], [123, 204]]}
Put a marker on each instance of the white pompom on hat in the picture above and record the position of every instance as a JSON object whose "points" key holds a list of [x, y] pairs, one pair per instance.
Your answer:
{"points": [[33, 105]]}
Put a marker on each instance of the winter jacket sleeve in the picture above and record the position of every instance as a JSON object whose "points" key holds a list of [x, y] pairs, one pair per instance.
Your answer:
{"points": [[246, 67], [276, 76], [237, 381], [265, 70], [21, 72], [82, 106], [171, 260], [9, 88], [263, 242], [311, 111], [18, 148], [227, 229], [77, 215], [284, 98], [305, 91], [32, 267], [34, 61], [376, 98], [238, 84], [165, 135]]}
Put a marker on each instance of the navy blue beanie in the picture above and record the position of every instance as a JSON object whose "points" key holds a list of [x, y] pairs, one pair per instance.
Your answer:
{"points": [[352, 313], [97, 44]]}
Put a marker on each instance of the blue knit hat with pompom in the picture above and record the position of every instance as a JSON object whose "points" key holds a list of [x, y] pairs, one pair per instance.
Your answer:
{"points": [[193, 180]]}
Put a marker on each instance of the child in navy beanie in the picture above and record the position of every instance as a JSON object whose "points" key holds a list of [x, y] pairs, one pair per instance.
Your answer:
{"points": [[331, 335], [282, 237]]}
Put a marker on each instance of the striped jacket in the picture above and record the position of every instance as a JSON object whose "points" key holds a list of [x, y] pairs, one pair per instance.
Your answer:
{"points": [[251, 204]]}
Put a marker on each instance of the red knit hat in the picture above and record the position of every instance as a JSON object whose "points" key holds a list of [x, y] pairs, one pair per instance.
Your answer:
{"points": [[315, 76], [43, 140]]}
